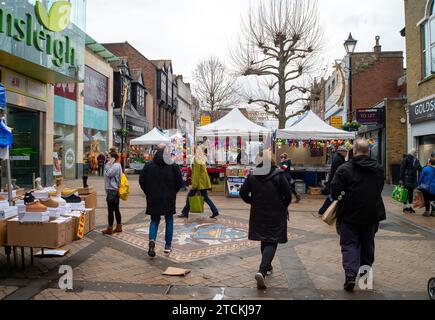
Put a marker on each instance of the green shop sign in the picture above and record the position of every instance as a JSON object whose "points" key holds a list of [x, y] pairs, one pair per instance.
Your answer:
{"points": [[43, 35]]}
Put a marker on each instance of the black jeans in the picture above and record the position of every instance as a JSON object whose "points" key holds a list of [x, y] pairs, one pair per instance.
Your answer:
{"points": [[357, 246], [101, 170], [428, 198], [268, 250], [410, 194], [113, 208]]}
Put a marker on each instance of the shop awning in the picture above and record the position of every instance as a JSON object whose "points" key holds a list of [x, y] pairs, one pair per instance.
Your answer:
{"points": [[234, 124], [100, 50], [154, 137], [310, 126]]}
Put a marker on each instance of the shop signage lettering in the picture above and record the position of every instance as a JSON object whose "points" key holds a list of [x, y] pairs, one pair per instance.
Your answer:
{"points": [[137, 129], [369, 116], [422, 111], [26, 30]]}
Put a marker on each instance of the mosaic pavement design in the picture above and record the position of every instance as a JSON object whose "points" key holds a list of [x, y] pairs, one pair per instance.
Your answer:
{"points": [[195, 239]]}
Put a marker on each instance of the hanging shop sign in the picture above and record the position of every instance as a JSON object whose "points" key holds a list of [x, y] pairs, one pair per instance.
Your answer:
{"points": [[43, 36], [205, 120], [336, 122], [367, 117], [423, 110]]}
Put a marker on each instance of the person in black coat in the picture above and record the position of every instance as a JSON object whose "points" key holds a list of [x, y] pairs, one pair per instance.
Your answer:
{"points": [[161, 180], [269, 195], [408, 177], [337, 162], [360, 183]]}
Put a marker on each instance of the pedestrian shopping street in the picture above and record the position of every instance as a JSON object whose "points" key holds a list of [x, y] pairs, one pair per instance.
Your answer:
{"points": [[221, 259]]}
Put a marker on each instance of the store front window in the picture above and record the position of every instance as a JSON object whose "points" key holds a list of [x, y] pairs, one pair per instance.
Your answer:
{"points": [[95, 143], [426, 147]]}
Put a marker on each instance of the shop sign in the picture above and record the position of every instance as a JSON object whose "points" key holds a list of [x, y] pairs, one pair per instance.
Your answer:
{"points": [[137, 129], [368, 117], [81, 228], [47, 34], [336, 122], [26, 30], [205, 120], [20, 84], [422, 111]]}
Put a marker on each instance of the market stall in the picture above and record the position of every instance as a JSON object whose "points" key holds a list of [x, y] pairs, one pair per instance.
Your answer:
{"points": [[233, 145], [142, 147], [309, 142]]}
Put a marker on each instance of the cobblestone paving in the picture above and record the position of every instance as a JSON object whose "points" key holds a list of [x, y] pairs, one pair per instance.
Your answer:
{"points": [[308, 267]]}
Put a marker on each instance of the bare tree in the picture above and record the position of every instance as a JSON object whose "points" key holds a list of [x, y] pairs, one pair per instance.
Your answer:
{"points": [[214, 87], [279, 44]]}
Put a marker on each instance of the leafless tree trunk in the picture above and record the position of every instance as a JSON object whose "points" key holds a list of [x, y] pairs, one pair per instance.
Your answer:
{"points": [[214, 87], [279, 44]]}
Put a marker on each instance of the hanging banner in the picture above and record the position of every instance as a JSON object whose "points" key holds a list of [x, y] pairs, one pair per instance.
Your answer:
{"points": [[57, 171], [2, 97]]}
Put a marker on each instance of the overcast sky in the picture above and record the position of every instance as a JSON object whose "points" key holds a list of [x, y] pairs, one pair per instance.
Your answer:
{"points": [[186, 31]]}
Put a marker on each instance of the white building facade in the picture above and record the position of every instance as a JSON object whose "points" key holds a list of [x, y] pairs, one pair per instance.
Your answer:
{"points": [[185, 122]]}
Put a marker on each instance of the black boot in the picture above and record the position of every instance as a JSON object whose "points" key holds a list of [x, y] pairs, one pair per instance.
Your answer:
{"points": [[349, 285]]}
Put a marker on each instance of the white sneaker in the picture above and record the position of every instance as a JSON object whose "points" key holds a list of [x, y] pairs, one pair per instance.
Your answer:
{"points": [[261, 281]]}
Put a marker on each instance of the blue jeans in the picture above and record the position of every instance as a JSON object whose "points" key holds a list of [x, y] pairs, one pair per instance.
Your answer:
{"points": [[154, 228], [207, 200]]}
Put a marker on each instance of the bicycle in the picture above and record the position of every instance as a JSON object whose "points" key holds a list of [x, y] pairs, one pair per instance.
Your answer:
{"points": [[431, 288]]}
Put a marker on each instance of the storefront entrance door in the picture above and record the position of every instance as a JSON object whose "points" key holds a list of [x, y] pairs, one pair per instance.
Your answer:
{"points": [[25, 153]]}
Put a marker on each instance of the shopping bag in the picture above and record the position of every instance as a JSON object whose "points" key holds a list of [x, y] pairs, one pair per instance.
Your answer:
{"points": [[196, 204], [124, 188], [330, 215], [400, 194], [418, 201]]}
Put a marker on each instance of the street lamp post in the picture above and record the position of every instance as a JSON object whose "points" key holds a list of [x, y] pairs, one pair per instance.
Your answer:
{"points": [[350, 45], [123, 69]]}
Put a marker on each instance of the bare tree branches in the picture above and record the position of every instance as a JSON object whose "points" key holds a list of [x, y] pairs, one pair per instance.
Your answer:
{"points": [[214, 86], [279, 43]]}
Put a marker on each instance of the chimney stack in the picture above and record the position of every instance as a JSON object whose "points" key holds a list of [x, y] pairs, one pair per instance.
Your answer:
{"points": [[378, 47]]}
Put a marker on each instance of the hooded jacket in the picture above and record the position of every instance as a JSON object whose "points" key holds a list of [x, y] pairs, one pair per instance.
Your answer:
{"points": [[408, 171], [160, 182], [362, 180], [269, 196]]}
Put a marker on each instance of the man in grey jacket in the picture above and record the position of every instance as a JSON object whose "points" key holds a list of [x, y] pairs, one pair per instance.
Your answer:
{"points": [[112, 181]]}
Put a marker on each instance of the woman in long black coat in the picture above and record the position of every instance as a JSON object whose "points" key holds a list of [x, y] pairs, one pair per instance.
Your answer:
{"points": [[269, 196]]}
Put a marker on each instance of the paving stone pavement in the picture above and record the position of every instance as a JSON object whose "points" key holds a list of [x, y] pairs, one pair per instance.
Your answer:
{"points": [[308, 267]]}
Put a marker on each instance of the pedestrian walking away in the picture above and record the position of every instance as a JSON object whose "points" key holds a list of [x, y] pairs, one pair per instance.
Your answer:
{"points": [[360, 211], [161, 180], [337, 162], [200, 183], [286, 165], [427, 186], [269, 196], [112, 182], [408, 177], [101, 159]]}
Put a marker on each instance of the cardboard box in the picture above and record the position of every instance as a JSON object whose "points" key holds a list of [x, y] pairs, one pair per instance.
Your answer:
{"points": [[90, 200], [3, 232], [71, 232], [76, 222], [314, 191], [92, 217], [86, 191], [50, 235]]}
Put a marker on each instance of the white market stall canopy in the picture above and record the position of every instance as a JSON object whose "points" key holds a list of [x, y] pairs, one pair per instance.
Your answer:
{"points": [[234, 124], [310, 126], [154, 137]]}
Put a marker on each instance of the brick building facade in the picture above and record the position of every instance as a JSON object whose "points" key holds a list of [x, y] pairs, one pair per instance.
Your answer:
{"points": [[161, 114], [420, 53]]}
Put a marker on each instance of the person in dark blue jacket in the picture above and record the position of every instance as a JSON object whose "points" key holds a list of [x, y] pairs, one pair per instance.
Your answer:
{"points": [[427, 186]]}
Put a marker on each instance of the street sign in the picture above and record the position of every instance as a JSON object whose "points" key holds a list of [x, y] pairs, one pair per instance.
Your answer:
{"points": [[205, 120], [336, 122]]}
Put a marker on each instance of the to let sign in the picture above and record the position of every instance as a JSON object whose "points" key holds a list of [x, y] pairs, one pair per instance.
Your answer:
{"points": [[421, 111], [369, 116]]}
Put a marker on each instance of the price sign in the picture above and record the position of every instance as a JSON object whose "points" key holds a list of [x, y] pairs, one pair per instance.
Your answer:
{"points": [[81, 229]]}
